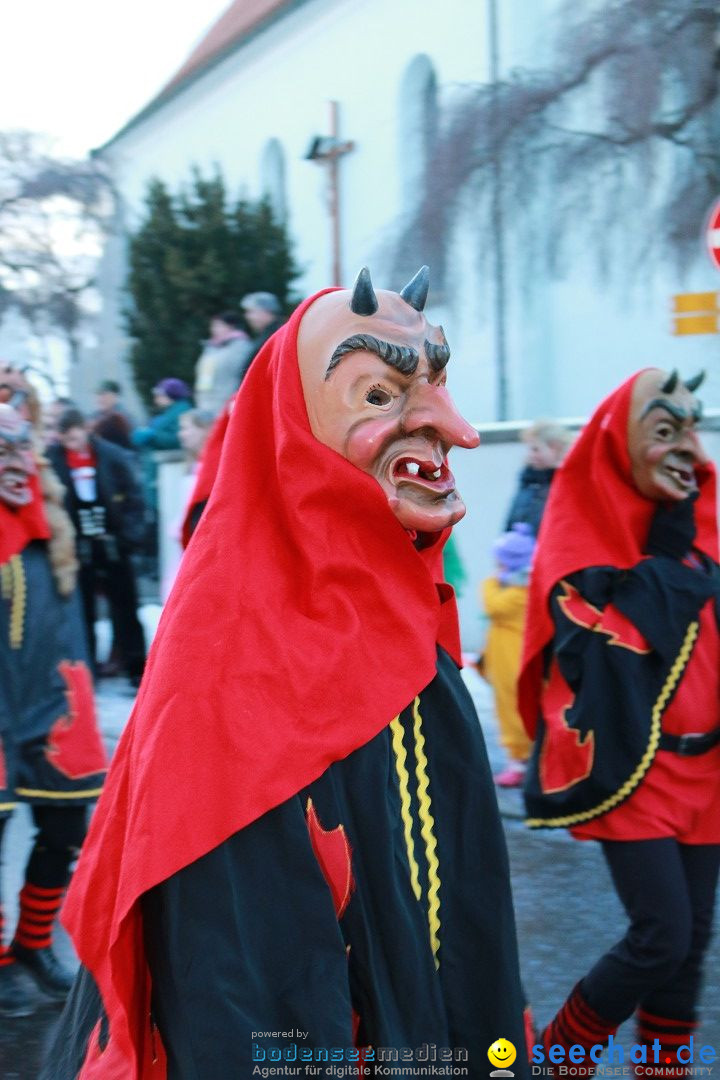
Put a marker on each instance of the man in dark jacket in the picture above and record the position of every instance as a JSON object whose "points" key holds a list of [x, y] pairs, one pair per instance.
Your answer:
{"points": [[102, 496], [547, 443]]}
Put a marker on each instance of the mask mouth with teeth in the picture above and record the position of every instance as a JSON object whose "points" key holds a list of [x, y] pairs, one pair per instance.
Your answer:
{"points": [[17, 462], [663, 442], [373, 371]]}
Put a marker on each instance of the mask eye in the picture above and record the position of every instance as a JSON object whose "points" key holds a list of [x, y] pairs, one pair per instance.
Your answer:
{"points": [[379, 396], [664, 431]]}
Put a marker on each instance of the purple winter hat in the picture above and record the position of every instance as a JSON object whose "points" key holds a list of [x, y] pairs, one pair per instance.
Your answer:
{"points": [[514, 549], [174, 388]]}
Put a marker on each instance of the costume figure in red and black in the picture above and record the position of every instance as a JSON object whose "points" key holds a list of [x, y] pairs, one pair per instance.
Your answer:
{"points": [[621, 687], [300, 830], [51, 755]]}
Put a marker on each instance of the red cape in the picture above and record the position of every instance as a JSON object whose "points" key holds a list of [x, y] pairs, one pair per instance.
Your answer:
{"points": [[19, 527], [302, 621], [595, 516]]}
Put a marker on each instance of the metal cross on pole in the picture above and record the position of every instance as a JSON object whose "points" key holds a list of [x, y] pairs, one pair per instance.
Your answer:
{"points": [[328, 149]]}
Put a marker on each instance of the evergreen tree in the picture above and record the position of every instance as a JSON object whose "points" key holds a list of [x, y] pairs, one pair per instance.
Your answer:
{"points": [[194, 256]]}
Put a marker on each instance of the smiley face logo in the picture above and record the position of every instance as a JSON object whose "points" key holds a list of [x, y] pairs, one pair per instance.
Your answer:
{"points": [[502, 1053]]}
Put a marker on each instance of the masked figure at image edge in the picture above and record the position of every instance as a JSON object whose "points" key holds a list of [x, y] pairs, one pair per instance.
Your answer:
{"points": [[300, 831], [621, 686], [51, 755]]}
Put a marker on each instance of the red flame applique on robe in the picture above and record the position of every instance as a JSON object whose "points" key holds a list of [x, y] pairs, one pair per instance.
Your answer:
{"points": [[3, 770], [565, 758], [619, 629], [74, 745], [332, 851]]}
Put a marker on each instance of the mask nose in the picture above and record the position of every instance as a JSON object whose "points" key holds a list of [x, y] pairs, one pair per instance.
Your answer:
{"points": [[691, 444], [432, 407]]}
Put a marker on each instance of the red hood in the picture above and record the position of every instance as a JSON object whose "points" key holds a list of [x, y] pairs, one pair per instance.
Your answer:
{"points": [[302, 621]]}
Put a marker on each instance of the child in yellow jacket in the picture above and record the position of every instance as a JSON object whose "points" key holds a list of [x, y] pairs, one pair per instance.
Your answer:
{"points": [[504, 598]]}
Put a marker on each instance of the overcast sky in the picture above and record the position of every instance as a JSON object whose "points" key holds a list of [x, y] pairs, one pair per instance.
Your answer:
{"points": [[79, 69]]}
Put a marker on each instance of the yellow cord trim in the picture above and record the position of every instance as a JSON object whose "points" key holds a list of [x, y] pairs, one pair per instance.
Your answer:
{"points": [[8, 805], [646, 761], [5, 581], [14, 589], [426, 832], [34, 793], [404, 784]]}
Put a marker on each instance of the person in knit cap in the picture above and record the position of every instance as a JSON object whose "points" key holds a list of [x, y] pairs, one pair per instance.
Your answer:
{"points": [[620, 685], [300, 857], [504, 598], [171, 398]]}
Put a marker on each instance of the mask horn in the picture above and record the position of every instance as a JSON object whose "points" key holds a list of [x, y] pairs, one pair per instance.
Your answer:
{"points": [[363, 301], [692, 384], [415, 292], [668, 387]]}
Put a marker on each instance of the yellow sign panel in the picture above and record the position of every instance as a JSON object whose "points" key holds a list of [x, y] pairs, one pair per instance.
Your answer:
{"points": [[696, 301], [696, 324]]}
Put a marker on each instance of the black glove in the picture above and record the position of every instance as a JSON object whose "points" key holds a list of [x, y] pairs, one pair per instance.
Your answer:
{"points": [[672, 529]]}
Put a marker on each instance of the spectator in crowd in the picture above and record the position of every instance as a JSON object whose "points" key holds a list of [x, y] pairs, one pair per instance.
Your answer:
{"points": [[103, 499], [50, 413], [172, 398], [263, 314], [51, 753], [223, 362], [195, 425], [547, 443], [503, 596], [111, 421]]}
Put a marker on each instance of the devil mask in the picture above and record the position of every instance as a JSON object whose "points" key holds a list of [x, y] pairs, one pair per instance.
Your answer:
{"points": [[373, 373], [663, 444], [17, 463]]}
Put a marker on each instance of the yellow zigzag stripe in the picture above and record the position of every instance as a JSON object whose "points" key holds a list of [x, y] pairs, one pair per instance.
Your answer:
{"points": [[646, 761], [14, 589], [426, 832], [5, 581], [404, 784]]}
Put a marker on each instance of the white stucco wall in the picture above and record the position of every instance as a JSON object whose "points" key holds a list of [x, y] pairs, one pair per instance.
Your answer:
{"points": [[570, 340]]}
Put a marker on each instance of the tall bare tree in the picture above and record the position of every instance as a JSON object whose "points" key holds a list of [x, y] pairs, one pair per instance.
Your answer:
{"points": [[53, 213], [616, 142]]}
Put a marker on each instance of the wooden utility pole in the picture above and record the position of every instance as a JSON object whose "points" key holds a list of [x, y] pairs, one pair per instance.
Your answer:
{"points": [[328, 150]]}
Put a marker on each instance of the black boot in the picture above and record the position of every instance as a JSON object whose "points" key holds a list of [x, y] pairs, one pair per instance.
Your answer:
{"points": [[50, 975], [14, 998]]}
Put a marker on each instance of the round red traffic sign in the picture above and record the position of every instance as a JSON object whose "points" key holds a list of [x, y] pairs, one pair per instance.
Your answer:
{"points": [[712, 234]]}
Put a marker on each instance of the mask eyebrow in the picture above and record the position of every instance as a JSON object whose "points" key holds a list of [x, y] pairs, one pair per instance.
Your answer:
{"points": [[403, 358], [438, 355], [675, 411]]}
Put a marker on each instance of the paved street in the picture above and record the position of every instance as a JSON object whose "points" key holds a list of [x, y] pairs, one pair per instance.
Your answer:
{"points": [[566, 909]]}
